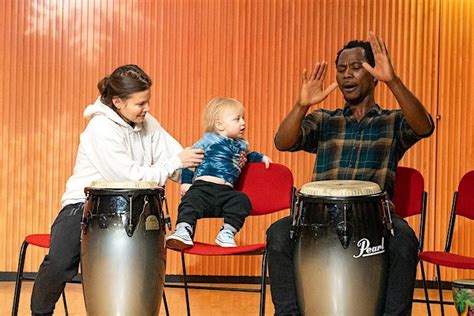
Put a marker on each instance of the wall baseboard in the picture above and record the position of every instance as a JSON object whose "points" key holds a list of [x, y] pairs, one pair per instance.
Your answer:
{"points": [[11, 277], [445, 285]]}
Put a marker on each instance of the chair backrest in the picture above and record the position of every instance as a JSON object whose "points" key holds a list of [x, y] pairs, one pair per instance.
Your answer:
{"points": [[408, 192], [463, 204], [465, 196], [409, 197], [269, 190]]}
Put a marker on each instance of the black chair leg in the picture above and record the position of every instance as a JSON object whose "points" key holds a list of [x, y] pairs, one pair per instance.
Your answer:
{"points": [[165, 302], [425, 288], [440, 290], [19, 278], [263, 284], [185, 279], [65, 303], [19, 281]]}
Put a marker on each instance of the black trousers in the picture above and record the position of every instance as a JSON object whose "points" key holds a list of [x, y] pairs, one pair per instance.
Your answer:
{"points": [[206, 199], [62, 261], [403, 260]]}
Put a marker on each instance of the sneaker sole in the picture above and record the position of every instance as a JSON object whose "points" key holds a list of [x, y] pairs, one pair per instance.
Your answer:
{"points": [[177, 244], [225, 245]]}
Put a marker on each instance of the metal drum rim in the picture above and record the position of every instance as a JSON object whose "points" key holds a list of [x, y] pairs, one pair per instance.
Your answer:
{"points": [[117, 191], [341, 198], [468, 283]]}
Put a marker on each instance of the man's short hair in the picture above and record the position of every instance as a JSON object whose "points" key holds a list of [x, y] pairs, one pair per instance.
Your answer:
{"points": [[362, 44]]}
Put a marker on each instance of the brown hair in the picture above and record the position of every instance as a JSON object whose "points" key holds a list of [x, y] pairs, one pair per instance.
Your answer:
{"points": [[124, 81], [214, 109]]}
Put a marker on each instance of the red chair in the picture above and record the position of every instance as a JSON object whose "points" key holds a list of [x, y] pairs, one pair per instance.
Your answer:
{"points": [[410, 198], [270, 190], [39, 240], [462, 205]]}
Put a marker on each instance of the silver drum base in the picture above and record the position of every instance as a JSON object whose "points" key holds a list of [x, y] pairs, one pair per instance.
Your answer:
{"points": [[330, 281], [122, 275]]}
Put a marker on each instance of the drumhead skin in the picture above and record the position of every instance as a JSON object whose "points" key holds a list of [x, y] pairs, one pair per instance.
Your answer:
{"points": [[124, 185], [123, 254], [340, 188], [468, 283], [341, 264]]}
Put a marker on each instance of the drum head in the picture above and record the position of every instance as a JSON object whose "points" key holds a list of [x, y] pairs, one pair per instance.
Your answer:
{"points": [[340, 188], [468, 283], [124, 185]]}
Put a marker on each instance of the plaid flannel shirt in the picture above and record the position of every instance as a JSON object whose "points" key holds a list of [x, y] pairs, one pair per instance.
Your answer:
{"points": [[346, 149]]}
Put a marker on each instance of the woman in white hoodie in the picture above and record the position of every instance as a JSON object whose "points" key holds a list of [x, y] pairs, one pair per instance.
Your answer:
{"points": [[122, 142]]}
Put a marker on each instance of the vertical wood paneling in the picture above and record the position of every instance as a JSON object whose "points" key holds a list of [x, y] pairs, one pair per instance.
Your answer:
{"points": [[455, 127], [54, 53]]}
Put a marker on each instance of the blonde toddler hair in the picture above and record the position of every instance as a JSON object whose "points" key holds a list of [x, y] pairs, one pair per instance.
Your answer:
{"points": [[214, 109]]}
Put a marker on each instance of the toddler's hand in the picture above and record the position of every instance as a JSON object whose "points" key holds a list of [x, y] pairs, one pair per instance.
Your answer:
{"points": [[267, 161], [243, 159], [184, 188]]}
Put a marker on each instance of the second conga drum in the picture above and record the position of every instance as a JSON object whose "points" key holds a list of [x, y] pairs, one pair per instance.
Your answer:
{"points": [[340, 253], [123, 255]]}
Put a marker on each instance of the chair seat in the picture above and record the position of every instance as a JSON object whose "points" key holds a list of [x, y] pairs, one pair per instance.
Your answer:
{"points": [[203, 249], [447, 259], [40, 240]]}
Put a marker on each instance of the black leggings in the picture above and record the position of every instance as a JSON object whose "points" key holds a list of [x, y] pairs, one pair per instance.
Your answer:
{"points": [[61, 263], [206, 199]]}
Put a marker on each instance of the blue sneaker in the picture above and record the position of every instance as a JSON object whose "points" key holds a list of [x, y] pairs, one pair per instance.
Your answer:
{"points": [[225, 238], [181, 237]]}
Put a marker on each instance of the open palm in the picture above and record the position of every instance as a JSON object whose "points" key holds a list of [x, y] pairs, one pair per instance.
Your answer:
{"points": [[312, 90], [383, 69]]}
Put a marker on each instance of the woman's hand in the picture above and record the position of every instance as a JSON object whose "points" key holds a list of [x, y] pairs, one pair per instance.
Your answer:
{"points": [[191, 157]]}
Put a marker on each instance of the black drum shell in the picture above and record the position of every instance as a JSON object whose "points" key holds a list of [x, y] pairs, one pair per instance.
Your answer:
{"points": [[123, 254], [334, 277]]}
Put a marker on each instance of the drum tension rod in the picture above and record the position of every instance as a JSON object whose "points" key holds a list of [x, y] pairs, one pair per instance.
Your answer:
{"points": [[166, 217], [295, 215], [389, 215], [84, 219], [345, 237], [130, 219]]}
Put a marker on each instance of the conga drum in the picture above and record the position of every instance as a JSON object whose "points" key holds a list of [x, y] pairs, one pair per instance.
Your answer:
{"points": [[340, 253], [463, 297], [123, 254]]}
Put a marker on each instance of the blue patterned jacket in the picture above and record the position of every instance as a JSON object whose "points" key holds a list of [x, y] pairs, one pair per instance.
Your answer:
{"points": [[223, 158]]}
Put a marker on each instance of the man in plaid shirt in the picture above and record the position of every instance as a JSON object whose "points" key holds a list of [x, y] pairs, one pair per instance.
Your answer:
{"points": [[359, 142]]}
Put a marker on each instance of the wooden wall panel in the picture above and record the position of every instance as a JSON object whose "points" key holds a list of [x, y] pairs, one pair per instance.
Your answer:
{"points": [[54, 53], [455, 127]]}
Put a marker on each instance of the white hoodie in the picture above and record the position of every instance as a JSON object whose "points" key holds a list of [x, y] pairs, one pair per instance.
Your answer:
{"points": [[110, 149]]}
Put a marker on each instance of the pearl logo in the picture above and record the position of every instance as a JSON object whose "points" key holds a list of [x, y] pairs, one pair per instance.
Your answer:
{"points": [[365, 249]]}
